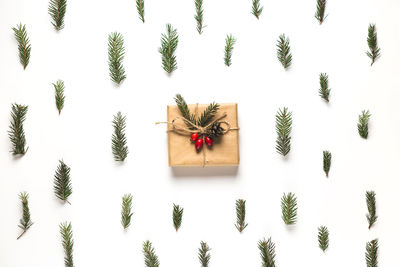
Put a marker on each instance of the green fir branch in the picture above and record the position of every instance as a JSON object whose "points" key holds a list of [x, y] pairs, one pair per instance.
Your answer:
{"points": [[320, 13], [57, 9], [204, 254], [283, 51], [371, 253], [177, 216], [184, 109], [372, 40], [256, 8], [327, 162], [208, 115], [140, 9], [62, 182], [371, 204], [118, 139], [324, 90], [323, 237], [116, 53], [150, 257], [267, 252], [363, 120], [24, 46], [59, 95], [67, 243], [283, 129], [126, 213], [25, 222], [169, 43], [289, 208], [241, 215], [199, 15], [16, 131], [229, 44]]}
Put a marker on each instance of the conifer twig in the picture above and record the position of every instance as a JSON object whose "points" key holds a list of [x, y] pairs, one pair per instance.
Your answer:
{"points": [[283, 51], [320, 13], [16, 131], [363, 120], [324, 90], [169, 43], [256, 8], [118, 139], [241, 215], [62, 182], [67, 243], [184, 109], [283, 129], [59, 95], [371, 253], [371, 204], [25, 222], [208, 115], [126, 213], [204, 254], [116, 53], [323, 238], [57, 9], [289, 208], [24, 46], [177, 214], [140, 9], [150, 257], [372, 40], [267, 252], [199, 15], [327, 161], [229, 44]]}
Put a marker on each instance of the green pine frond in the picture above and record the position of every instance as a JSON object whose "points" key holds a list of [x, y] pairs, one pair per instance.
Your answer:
{"points": [[289, 208], [267, 252], [62, 182], [363, 120], [229, 44], [374, 51], [140, 9], [177, 216], [324, 90], [184, 109], [327, 161], [256, 8], [208, 115], [371, 253], [199, 15], [116, 53], [118, 139], [169, 43], [241, 215], [204, 254], [323, 237], [150, 257], [320, 13], [24, 46], [57, 9], [371, 204], [59, 95], [67, 243], [126, 213], [283, 51], [283, 129], [16, 131], [25, 222]]}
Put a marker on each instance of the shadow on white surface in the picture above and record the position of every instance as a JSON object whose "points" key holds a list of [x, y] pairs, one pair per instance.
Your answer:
{"points": [[212, 171]]}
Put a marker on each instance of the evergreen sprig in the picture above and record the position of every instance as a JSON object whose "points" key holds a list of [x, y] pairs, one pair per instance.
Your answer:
{"points": [[16, 131], [57, 9], [283, 51], [118, 139], [229, 44], [140, 9], [67, 243], [283, 129], [62, 182], [126, 213], [208, 115], [327, 161], [323, 237], [320, 13], [241, 215], [204, 254], [362, 125], [184, 109], [371, 253], [199, 15], [116, 53], [150, 257], [267, 252], [371, 204], [256, 8], [25, 222], [289, 208], [24, 46], [324, 90], [59, 95], [169, 43], [374, 51], [177, 214]]}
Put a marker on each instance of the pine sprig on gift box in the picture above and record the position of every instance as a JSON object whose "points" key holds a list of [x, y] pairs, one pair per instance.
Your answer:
{"points": [[59, 95], [372, 40], [184, 109], [67, 243], [229, 44], [324, 90], [371, 204], [283, 51], [116, 53], [204, 254], [126, 213], [208, 115], [199, 15], [25, 222], [118, 139], [57, 9], [363, 120], [289, 208], [24, 46], [256, 8], [327, 161], [62, 182], [241, 215], [169, 43], [16, 131], [177, 215], [371, 253], [150, 257], [283, 129], [323, 238], [320, 13], [140, 9], [267, 252]]}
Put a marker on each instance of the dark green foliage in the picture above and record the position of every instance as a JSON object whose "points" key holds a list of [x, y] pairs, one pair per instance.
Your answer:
{"points": [[241, 215], [289, 208], [208, 115], [371, 204], [140, 9], [150, 257], [267, 252], [327, 162], [25, 222], [323, 237], [229, 43], [16, 131], [177, 216], [59, 95], [118, 139], [126, 213], [204, 254], [371, 253], [362, 125], [62, 182], [67, 243], [24, 46], [116, 53], [324, 89], [169, 43], [320, 13], [283, 51], [374, 51], [283, 129], [57, 9], [184, 109], [256, 8], [199, 15]]}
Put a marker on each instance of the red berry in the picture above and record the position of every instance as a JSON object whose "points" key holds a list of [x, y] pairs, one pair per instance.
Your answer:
{"points": [[194, 136], [198, 144], [209, 141]]}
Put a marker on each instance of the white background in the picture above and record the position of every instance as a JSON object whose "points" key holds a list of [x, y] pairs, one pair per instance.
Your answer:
{"points": [[256, 81]]}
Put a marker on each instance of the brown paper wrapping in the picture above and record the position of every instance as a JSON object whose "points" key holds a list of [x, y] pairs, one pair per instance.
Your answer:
{"points": [[224, 152]]}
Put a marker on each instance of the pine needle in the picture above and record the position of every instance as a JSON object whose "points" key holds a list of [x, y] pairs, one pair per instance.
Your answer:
{"points": [[374, 51], [25, 222], [150, 257], [116, 53], [320, 13], [16, 131], [283, 51], [208, 115], [140, 9], [67, 243], [177, 216], [57, 9], [371, 204], [229, 44], [126, 213], [62, 182], [241, 215], [327, 161], [184, 109], [283, 129], [267, 252], [59, 95], [256, 8], [24, 46], [363, 120], [289, 208], [169, 43], [204, 254], [324, 90], [371, 253], [118, 139], [199, 15], [323, 238]]}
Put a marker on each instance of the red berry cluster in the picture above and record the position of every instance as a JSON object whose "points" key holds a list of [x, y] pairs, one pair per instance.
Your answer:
{"points": [[198, 141]]}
